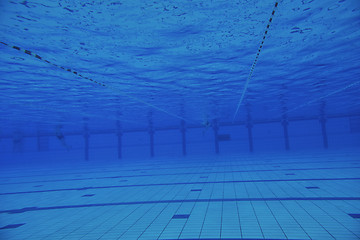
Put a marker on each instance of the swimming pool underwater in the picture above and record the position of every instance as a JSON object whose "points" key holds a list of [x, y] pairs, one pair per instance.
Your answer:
{"points": [[181, 119], [283, 196]]}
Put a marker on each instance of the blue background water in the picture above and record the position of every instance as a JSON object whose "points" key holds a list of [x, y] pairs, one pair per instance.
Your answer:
{"points": [[178, 60], [262, 97]]}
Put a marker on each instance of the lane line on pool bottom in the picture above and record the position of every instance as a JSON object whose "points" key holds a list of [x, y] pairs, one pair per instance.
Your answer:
{"points": [[181, 183], [183, 173], [172, 168], [32, 209]]}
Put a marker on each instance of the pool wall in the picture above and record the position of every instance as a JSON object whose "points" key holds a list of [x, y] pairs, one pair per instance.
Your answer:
{"points": [[303, 135]]}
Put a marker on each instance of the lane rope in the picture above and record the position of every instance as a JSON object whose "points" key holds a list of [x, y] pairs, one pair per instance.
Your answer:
{"points": [[322, 97], [255, 61], [28, 52]]}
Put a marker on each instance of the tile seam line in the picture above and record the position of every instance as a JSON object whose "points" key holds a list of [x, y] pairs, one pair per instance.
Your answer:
{"points": [[229, 239]]}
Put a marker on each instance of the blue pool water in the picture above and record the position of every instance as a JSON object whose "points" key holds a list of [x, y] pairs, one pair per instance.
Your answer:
{"points": [[180, 119]]}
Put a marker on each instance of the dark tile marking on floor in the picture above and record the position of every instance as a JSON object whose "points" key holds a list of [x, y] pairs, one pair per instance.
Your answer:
{"points": [[195, 190], [183, 183], [203, 176], [30, 209], [181, 216], [290, 174], [12, 226], [178, 174], [354, 215], [38, 185], [312, 187], [88, 195], [22, 210]]}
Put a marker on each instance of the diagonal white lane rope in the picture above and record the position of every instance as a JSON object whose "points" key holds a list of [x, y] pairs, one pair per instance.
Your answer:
{"points": [[255, 61]]}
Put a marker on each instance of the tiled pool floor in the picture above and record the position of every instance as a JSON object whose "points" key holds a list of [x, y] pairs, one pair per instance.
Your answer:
{"points": [[302, 196]]}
